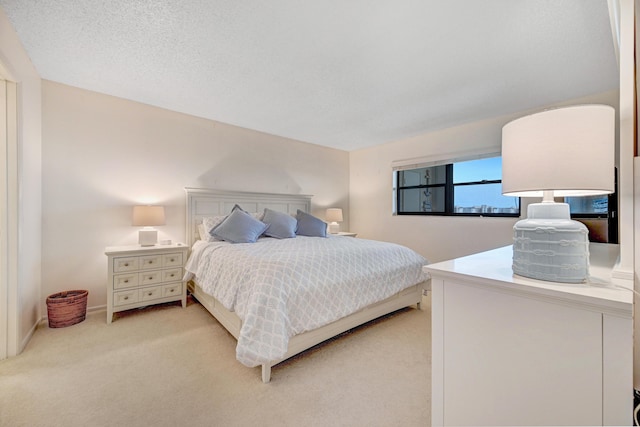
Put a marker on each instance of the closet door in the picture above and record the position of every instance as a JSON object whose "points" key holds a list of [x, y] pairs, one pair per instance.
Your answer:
{"points": [[3, 221], [8, 219]]}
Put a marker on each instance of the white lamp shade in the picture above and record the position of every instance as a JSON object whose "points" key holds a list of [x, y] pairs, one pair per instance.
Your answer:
{"points": [[567, 150], [148, 216], [334, 215]]}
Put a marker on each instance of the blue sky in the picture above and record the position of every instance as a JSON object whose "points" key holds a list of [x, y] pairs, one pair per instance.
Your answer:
{"points": [[478, 170]]}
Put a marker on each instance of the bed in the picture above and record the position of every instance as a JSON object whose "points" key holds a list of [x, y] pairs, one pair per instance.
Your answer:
{"points": [[267, 336]]}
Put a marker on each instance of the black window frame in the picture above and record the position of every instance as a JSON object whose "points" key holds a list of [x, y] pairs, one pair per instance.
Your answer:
{"points": [[449, 194], [611, 215]]}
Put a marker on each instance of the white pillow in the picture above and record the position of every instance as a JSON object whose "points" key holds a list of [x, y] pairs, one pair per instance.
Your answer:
{"points": [[211, 222], [204, 236]]}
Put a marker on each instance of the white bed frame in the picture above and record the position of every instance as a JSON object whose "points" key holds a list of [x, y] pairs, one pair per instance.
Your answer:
{"points": [[205, 202]]}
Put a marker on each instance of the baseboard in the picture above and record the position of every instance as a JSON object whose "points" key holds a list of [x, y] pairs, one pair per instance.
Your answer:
{"points": [[28, 337], [97, 308]]}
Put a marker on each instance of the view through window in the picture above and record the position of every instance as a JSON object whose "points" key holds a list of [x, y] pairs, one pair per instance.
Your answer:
{"points": [[471, 187], [598, 213], [593, 206]]}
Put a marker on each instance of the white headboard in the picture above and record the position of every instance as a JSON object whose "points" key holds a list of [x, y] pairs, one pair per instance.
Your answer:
{"points": [[203, 202]]}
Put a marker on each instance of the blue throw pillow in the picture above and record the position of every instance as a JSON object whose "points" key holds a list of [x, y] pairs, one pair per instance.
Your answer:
{"points": [[239, 227], [280, 225], [309, 225]]}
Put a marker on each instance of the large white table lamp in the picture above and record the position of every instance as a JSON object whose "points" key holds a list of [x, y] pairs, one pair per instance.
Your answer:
{"points": [[556, 153]]}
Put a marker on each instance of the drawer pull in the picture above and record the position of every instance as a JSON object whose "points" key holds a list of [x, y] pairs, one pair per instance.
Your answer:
{"points": [[126, 298], [150, 293], [126, 281], [172, 290], [126, 264], [172, 274], [150, 262], [172, 260], [150, 277]]}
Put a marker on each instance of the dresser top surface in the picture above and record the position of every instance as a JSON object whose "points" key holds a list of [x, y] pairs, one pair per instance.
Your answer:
{"points": [[493, 268], [137, 249]]}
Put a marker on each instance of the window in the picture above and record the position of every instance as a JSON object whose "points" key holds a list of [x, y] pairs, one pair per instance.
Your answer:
{"points": [[589, 206], [598, 213], [472, 187]]}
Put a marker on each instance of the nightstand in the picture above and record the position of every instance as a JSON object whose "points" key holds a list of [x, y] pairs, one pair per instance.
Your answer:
{"points": [[346, 233], [145, 275]]}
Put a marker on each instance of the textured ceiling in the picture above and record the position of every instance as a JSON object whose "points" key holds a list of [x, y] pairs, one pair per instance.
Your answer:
{"points": [[342, 73]]}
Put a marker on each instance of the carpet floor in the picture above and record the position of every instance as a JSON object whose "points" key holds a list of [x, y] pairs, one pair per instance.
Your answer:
{"points": [[168, 366]]}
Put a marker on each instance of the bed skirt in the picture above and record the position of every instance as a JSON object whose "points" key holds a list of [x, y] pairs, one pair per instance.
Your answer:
{"points": [[299, 343]]}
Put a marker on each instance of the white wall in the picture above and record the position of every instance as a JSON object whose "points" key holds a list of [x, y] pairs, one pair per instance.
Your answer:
{"points": [[19, 68], [102, 155], [437, 238]]}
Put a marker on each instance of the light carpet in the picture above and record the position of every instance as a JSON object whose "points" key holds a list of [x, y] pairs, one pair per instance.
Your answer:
{"points": [[168, 366]]}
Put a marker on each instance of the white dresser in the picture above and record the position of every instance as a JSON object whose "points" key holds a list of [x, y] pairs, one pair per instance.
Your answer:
{"points": [[507, 350], [144, 275]]}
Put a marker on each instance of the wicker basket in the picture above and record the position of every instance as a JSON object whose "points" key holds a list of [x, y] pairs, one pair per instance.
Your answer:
{"points": [[66, 308]]}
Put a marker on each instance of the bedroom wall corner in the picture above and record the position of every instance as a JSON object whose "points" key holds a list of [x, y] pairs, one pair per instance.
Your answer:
{"points": [[437, 238], [103, 154], [24, 293]]}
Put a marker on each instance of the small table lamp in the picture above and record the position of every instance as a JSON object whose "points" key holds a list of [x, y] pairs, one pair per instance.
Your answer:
{"points": [[148, 216], [333, 217], [561, 152]]}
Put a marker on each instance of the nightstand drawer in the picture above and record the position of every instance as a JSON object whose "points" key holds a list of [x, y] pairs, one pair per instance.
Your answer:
{"points": [[171, 290], [172, 260], [121, 265], [148, 262], [148, 294], [125, 297], [150, 277], [125, 280], [172, 275]]}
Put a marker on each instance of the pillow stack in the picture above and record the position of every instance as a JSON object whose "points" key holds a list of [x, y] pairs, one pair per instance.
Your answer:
{"points": [[242, 227]]}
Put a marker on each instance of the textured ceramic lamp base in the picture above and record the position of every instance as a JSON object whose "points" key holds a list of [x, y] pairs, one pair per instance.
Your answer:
{"points": [[550, 246]]}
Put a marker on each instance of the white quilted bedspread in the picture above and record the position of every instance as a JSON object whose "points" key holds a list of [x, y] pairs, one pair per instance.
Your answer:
{"points": [[280, 288]]}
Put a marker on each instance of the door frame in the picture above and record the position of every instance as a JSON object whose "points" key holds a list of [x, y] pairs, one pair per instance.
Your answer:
{"points": [[9, 301]]}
